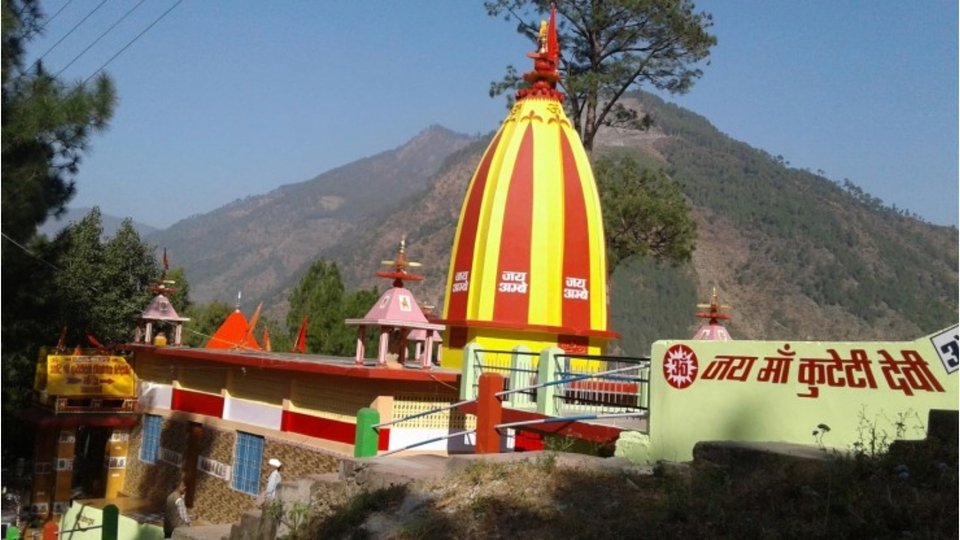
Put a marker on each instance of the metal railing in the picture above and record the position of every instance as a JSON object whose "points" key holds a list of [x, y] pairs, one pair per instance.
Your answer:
{"points": [[520, 370], [602, 384], [555, 383]]}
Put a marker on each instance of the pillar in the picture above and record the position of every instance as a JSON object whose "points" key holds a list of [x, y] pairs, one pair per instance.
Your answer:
{"points": [[45, 451], [367, 437], [520, 377], [489, 413], [428, 351], [50, 529], [116, 455], [402, 353], [361, 348], [63, 469], [384, 345], [468, 371], [547, 372], [111, 522]]}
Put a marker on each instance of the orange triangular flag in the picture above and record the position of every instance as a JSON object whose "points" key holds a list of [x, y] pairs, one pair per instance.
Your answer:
{"points": [[266, 340], [95, 342], [301, 344], [62, 342], [252, 326]]}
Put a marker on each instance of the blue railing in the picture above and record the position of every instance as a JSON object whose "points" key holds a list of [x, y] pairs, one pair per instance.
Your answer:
{"points": [[556, 383]]}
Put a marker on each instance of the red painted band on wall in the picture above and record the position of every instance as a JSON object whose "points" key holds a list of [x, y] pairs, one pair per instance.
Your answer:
{"points": [[327, 428], [197, 403]]}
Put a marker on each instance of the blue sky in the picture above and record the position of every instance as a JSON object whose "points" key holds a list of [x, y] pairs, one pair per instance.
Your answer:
{"points": [[226, 99]]}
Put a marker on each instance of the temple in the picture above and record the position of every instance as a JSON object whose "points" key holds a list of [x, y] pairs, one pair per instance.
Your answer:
{"points": [[528, 264], [399, 318], [523, 361]]}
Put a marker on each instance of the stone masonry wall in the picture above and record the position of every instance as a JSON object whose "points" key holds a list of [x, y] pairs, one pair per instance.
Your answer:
{"points": [[154, 481], [215, 501]]}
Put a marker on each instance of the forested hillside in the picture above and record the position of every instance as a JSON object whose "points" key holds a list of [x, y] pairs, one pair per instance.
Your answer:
{"points": [[796, 255]]}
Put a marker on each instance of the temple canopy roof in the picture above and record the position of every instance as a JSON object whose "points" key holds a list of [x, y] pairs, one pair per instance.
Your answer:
{"points": [[398, 317], [234, 333], [160, 309], [397, 307]]}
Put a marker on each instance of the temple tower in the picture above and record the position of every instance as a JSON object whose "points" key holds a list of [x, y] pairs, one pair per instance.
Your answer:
{"points": [[528, 265]]}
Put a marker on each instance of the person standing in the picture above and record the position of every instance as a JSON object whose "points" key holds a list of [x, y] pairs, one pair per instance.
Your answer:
{"points": [[175, 514], [273, 481]]}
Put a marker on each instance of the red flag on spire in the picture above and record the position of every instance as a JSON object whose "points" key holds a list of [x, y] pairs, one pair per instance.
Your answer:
{"points": [[553, 49], [301, 344]]}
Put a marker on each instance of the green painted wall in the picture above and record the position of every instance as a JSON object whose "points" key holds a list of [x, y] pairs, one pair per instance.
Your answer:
{"points": [[80, 515], [708, 391]]}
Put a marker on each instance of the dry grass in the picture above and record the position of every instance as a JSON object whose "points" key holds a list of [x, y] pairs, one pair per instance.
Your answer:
{"points": [[910, 492]]}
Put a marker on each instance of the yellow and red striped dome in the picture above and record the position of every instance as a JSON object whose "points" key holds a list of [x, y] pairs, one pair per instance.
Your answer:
{"points": [[529, 251]]}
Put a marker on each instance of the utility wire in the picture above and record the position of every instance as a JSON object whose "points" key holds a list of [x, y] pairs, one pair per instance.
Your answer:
{"points": [[65, 36], [50, 20], [158, 19], [107, 31]]}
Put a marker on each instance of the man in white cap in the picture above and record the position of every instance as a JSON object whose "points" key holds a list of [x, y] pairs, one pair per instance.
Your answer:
{"points": [[273, 481]]}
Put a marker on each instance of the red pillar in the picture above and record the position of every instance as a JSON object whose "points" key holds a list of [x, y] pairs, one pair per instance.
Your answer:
{"points": [[489, 413]]}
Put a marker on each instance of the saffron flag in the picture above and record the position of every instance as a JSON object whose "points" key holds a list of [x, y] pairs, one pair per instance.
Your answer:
{"points": [[95, 342], [251, 327], [62, 342], [300, 345], [266, 340]]}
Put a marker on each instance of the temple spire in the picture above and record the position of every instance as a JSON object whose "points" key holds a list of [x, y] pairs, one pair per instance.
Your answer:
{"points": [[713, 330], [399, 266], [545, 76]]}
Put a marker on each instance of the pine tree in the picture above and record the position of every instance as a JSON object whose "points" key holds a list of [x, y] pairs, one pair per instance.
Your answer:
{"points": [[46, 123], [611, 47], [644, 213], [319, 296]]}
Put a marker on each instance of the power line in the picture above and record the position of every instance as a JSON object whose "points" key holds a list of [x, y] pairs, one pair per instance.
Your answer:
{"points": [[138, 36], [65, 36], [59, 11], [107, 31]]}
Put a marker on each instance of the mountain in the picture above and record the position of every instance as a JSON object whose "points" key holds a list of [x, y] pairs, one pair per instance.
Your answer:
{"points": [[52, 226], [254, 244], [796, 255]]}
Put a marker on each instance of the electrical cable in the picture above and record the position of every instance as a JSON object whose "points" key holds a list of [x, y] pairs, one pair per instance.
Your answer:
{"points": [[35, 62], [132, 41], [107, 31], [50, 20]]}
